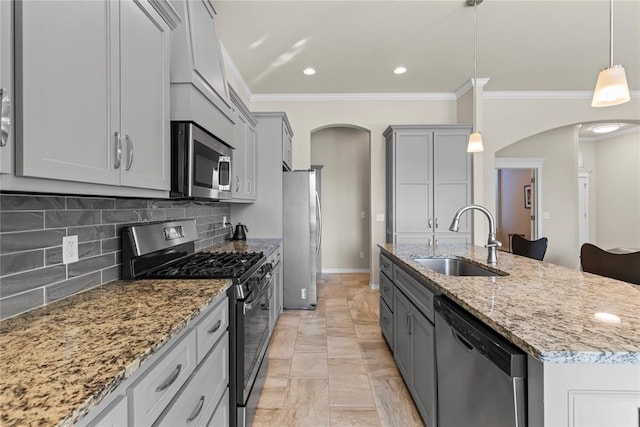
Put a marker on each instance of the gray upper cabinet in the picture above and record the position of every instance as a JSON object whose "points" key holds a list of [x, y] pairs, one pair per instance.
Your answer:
{"points": [[429, 177], [264, 216], [95, 108], [244, 155]]}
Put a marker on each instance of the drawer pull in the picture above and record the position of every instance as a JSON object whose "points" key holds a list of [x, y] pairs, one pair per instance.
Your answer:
{"points": [[215, 327], [197, 411], [171, 380]]}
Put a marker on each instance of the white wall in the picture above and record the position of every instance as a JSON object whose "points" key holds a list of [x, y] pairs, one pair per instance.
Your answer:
{"points": [[344, 153], [559, 193], [588, 150], [618, 189]]}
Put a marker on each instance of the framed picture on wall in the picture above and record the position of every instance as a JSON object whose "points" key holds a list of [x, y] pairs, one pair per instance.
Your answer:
{"points": [[527, 196]]}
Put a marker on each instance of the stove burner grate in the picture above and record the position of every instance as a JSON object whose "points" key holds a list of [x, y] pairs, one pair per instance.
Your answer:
{"points": [[211, 265]]}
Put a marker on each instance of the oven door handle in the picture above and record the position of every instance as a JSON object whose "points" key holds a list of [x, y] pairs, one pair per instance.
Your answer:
{"points": [[248, 305]]}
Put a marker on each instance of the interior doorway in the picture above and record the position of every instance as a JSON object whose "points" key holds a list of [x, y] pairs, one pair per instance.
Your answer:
{"points": [[344, 152], [583, 208], [518, 186]]}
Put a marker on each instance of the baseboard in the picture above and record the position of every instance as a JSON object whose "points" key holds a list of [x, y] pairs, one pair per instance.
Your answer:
{"points": [[374, 286], [345, 270]]}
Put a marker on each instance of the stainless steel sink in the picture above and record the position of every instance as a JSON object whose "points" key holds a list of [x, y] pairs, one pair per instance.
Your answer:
{"points": [[455, 267]]}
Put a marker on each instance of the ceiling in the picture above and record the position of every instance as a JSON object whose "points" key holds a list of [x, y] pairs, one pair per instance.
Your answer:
{"points": [[523, 45]]}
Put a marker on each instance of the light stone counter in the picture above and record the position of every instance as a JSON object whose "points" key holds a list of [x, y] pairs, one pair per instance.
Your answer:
{"points": [[266, 246], [547, 310], [59, 361]]}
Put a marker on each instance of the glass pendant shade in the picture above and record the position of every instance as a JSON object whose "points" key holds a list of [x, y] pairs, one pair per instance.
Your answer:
{"points": [[475, 143], [611, 88]]}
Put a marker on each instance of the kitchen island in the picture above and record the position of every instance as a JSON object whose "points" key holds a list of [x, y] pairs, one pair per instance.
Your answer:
{"points": [[581, 332]]}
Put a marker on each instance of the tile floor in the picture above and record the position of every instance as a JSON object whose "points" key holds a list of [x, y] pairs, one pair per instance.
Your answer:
{"points": [[331, 366]]}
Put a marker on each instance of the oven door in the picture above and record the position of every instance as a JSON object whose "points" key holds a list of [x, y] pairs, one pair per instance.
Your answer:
{"points": [[253, 324]]}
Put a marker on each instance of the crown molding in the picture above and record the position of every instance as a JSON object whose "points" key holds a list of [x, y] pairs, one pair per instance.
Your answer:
{"points": [[545, 94], [276, 97], [469, 84], [237, 76]]}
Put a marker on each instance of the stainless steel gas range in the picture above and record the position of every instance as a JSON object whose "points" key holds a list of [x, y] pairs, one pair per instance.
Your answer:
{"points": [[166, 250]]}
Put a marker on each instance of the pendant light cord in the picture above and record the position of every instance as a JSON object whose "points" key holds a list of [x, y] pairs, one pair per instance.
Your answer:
{"points": [[475, 42], [611, 34]]}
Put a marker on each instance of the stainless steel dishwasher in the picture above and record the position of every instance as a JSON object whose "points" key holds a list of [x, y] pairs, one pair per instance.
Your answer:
{"points": [[481, 376]]}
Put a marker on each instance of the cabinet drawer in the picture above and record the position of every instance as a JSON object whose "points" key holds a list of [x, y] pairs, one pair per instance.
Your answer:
{"points": [[386, 290], [212, 327], [386, 266], [419, 294], [154, 390], [386, 322], [199, 398], [221, 415]]}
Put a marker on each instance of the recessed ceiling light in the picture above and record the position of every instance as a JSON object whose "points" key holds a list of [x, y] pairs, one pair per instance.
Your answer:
{"points": [[309, 71], [400, 70], [609, 127]]}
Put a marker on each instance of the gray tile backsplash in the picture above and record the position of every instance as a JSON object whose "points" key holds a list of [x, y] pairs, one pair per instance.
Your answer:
{"points": [[31, 231]]}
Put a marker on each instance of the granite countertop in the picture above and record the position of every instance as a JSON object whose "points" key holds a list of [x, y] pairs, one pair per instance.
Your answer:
{"points": [[59, 361], [547, 310]]}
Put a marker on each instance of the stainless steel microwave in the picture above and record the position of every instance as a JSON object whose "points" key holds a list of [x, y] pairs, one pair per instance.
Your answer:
{"points": [[200, 163]]}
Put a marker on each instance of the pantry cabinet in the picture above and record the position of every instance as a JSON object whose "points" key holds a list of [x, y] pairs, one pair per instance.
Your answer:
{"points": [[244, 154], [429, 177], [94, 108]]}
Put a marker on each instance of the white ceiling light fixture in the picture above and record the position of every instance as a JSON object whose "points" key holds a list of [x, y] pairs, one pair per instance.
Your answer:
{"points": [[474, 144], [611, 87], [400, 70], [606, 128], [309, 71]]}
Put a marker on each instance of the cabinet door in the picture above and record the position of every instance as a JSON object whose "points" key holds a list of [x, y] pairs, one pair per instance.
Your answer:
{"points": [[239, 157], [144, 70], [66, 90], [452, 179], [287, 155], [423, 369], [401, 337], [250, 162], [413, 181], [6, 85], [115, 415]]}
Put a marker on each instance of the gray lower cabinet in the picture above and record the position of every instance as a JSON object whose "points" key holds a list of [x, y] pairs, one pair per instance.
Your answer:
{"points": [[184, 383], [413, 340], [429, 177]]}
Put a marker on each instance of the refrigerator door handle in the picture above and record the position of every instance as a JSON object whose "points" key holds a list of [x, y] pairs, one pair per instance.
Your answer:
{"points": [[319, 239]]}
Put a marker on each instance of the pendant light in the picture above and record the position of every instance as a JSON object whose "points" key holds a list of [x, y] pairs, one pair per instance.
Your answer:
{"points": [[475, 139], [611, 88]]}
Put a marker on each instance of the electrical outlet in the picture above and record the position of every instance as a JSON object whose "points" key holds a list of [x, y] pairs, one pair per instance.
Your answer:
{"points": [[303, 293], [363, 215], [379, 217], [69, 249], [361, 255]]}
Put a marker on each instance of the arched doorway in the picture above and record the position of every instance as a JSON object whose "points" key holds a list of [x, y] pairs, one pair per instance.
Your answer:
{"points": [[343, 151]]}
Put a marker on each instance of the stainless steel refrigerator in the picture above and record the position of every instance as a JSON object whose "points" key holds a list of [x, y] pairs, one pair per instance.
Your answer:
{"points": [[302, 233]]}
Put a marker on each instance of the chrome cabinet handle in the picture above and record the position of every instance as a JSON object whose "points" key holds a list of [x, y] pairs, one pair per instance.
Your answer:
{"points": [[118, 161], [430, 223], [237, 184], [248, 186], [197, 411], [130, 144], [436, 223], [406, 322], [5, 117], [171, 380], [410, 323], [215, 327]]}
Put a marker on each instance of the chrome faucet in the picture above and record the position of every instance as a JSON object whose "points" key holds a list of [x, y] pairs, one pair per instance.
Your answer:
{"points": [[492, 243]]}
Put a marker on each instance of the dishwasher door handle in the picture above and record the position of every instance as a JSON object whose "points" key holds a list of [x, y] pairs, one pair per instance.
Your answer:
{"points": [[519, 401], [460, 339]]}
